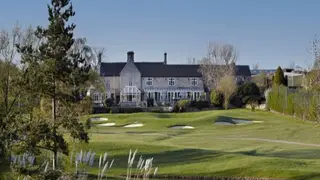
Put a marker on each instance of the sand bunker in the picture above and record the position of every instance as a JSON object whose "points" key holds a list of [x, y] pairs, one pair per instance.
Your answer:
{"points": [[181, 127], [236, 122], [257, 121], [224, 123], [133, 125], [98, 119], [107, 124]]}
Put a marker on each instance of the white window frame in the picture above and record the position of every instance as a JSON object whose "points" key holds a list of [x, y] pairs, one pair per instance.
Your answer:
{"points": [[96, 97], [149, 80], [171, 80], [194, 80]]}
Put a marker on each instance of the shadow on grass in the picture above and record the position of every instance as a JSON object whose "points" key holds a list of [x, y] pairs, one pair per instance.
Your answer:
{"points": [[307, 176], [295, 154], [162, 115], [229, 119], [176, 134], [171, 157]]}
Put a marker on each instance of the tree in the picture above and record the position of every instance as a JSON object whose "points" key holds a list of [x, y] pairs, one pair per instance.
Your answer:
{"points": [[252, 100], [93, 56], [260, 79], [279, 78], [220, 62], [62, 77], [248, 89], [216, 97], [312, 79], [10, 109], [227, 86], [249, 94]]}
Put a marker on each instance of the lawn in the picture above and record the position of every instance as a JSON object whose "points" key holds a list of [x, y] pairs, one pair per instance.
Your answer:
{"points": [[277, 147]]}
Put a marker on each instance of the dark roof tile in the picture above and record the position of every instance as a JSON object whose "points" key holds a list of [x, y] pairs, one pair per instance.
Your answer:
{"points": [[158, 69]]}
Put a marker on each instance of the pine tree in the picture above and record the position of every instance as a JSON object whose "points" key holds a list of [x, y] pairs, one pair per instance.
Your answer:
{"points": [[279, 78], [61, 79]]}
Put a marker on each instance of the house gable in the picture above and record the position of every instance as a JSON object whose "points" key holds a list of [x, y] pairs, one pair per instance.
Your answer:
{"points": [[130, 76]]}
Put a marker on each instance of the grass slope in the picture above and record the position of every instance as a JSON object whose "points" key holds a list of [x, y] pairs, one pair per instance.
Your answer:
{"points": [[207, 151]]}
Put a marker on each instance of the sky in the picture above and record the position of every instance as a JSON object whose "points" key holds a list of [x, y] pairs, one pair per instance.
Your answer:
{"points": [[269, 33]]}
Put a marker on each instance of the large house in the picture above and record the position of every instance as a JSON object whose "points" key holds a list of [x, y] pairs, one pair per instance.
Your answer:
{"points": [[132, 83]]}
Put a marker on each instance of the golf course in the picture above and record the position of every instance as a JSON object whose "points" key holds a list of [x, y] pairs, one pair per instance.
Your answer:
{"points": [[219, 143]]}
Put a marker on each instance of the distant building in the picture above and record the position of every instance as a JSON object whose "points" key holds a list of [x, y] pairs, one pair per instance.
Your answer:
{"points": [[131, 82], [294, 77], [258, 71]]}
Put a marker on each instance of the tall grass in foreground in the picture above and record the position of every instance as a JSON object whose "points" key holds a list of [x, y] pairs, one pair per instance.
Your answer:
{"points": [[143, 169], [24, 165]]}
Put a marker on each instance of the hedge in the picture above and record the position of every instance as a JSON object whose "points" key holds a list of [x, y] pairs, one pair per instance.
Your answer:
{"points": [[99, 110], [200, 104], [299, 103]]}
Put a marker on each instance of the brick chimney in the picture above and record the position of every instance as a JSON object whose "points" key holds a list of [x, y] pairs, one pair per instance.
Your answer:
{"points": [[130, 56], [165, 58]]}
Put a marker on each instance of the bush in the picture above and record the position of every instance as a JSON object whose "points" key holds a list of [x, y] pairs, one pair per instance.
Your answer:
{"points": [[109, 102], [290, 105], [277, 98], [216, 97], [236, 101], [248, 89], [302, 104], [252, 100], [150, 102], [200, 104], [115, 110], [181, 105]]}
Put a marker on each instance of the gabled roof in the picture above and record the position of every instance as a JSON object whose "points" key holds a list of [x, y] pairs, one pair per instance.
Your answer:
{"points": [[159, 69]]}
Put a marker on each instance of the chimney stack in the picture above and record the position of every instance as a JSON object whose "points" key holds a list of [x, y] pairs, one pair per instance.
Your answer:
{"points": [[165, 58], [130, 56]]}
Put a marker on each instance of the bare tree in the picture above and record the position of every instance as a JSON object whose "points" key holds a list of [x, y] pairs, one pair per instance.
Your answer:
{"points": [[312, 79], [220, 62], [90, 54]]}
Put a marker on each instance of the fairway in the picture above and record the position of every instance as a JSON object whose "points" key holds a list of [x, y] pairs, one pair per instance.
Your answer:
{"points": [[276, 146]]}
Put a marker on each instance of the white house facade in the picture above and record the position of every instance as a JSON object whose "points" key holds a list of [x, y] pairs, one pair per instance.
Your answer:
{"points": [[132, 83]]}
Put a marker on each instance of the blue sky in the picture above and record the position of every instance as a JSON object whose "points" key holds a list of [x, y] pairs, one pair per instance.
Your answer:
{"points": [[270, 33]]}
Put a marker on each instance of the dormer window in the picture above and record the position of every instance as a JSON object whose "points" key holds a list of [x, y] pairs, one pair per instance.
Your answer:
{"points": [[171, 81], [194, 81], [149, 81]]}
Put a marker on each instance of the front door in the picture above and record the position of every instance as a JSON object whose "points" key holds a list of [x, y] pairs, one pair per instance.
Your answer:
{"points": [[130, 98]]}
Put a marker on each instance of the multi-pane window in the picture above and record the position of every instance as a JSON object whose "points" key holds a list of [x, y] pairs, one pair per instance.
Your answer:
{"points": [[194, 81], [95, 97], [149, 82], [171, 81]]}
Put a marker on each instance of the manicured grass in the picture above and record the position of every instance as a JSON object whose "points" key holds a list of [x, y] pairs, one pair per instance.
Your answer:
{"points": [[207, 151]]}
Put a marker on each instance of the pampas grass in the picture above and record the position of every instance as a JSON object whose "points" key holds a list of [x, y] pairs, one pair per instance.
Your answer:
{"points": [[143, 168], [104, 166], [82, 161]]}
